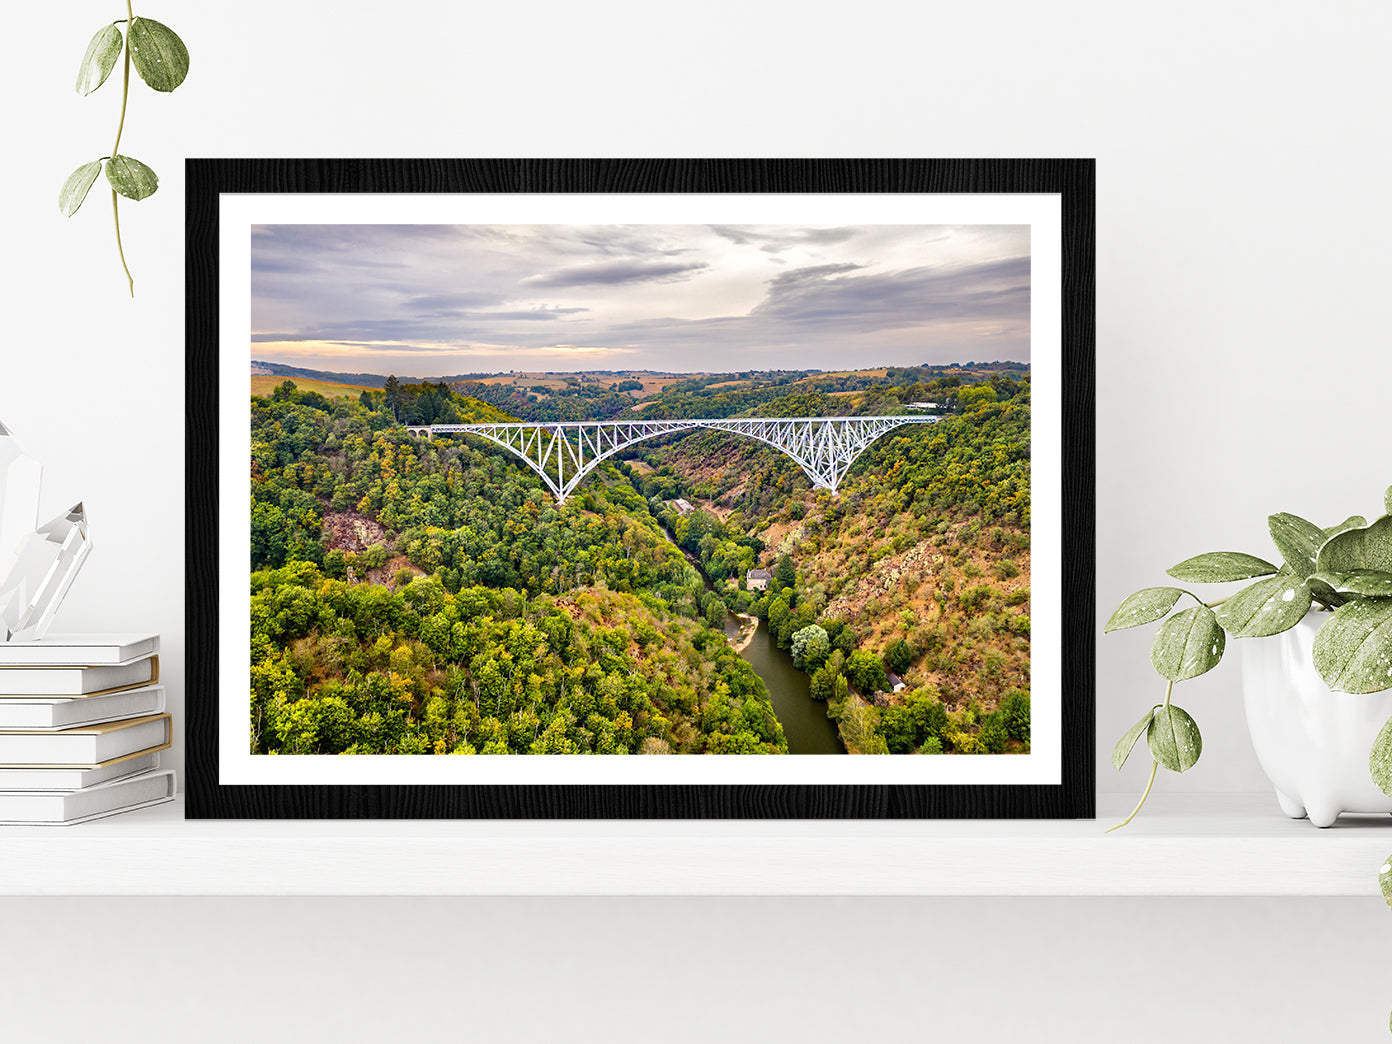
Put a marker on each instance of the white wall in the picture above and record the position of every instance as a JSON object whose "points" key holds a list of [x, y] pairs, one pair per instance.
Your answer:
{"points": [[1241, 226], [1242, 222]]}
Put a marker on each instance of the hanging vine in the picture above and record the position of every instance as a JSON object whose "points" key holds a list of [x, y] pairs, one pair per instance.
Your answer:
{"points": [[162, 61]]}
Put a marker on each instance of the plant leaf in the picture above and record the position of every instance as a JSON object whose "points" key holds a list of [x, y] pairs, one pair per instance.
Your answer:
{"points": [[1353, 650], [130, 177], [1297, 540], [1218, 567], [1188, 644], [1320, 589], [1380, 765], [1368, 548], [1267, 607], [99, 60], [75, 188], [160, 57], [1352, 522], [1368, 583], [1173, 738], [1143, 607], [1122, 750], [1385, 877], [1387, 500]]}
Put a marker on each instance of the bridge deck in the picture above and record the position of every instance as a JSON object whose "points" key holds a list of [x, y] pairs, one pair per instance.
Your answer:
{"points": [[911, 418], [564, 452]]}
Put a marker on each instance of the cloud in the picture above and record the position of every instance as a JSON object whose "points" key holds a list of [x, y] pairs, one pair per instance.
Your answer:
{"points": [[777, 240], [992, 290], [614, 273], [453, 299], [672, 297]]}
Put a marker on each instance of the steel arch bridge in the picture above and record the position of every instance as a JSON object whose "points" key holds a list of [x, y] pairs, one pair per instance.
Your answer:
{"points": [[564, 452]]}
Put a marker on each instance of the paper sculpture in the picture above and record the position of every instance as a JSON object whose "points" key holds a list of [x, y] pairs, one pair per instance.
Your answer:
{"points": [[20, 475], [37, 565]]}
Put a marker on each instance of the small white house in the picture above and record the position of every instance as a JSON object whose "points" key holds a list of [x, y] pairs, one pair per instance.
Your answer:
{"points": [[683, 506], [757, 579], [896, 683]]}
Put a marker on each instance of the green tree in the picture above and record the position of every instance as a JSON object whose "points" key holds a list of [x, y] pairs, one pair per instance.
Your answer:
{"points": [[392, 395], [993, 734], [810, 648], [866, 672], [898, 656], [823, 686], [1015, 710], [783, 571]]}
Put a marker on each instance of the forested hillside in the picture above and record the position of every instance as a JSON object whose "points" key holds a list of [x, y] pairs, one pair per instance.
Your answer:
{"points": [[427, 597], [414, 596], [922, 562]]}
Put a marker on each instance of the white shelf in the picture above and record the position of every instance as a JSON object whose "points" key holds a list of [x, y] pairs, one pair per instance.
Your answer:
{"points": [[1196, 845]]}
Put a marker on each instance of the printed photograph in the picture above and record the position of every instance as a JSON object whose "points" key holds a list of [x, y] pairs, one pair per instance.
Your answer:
{"points": [[640, 489]]}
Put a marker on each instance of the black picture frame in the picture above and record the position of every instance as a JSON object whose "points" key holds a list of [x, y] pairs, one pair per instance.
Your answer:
{"points": [[208, 179]]}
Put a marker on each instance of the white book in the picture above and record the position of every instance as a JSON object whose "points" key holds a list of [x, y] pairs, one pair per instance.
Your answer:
{"points": [[78, 650], [77, 681], [63, 808], [51, 714], [23, 777], [87, 746]]}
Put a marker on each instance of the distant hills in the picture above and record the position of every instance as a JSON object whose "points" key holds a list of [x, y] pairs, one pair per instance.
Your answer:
{"points": [[362, 380], [260, 367]]}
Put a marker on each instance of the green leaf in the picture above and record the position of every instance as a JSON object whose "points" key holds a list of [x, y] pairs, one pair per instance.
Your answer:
{"points": [[1297, 540], [1385, 878], [1380, 765], [1188, 644], [99, 60], [1353, 650], [160, 57], [1368, 548], [1143, 607], [1122, 750], [1173, 738], [1267, 607], [1367, 583], [1320, 589], [130, 177], [75, 189], [1387, 500], [1218, 567], [1352, 522]]}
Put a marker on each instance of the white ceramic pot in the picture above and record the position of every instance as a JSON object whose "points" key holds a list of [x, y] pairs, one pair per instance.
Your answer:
{"points": [[1312, 742]]}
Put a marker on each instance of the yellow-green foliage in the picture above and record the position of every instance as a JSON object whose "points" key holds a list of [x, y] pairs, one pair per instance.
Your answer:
{"points": [[340, 668], [858, 732]]}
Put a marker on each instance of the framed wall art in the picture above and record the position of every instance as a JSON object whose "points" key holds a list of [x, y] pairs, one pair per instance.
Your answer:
{"points": [[640, 488]]}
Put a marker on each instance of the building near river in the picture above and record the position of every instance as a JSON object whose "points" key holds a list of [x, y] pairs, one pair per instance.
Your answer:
{"points": [[757, 579]]}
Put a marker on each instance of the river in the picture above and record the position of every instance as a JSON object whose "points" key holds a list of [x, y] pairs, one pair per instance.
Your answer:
{"points": [[804, 720]]}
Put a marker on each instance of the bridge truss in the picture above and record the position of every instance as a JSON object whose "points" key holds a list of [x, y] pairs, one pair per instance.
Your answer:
{"points": [[564, 452]]}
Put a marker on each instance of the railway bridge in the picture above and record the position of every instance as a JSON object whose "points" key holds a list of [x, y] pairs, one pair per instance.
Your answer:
{"points": [[564, 452]]}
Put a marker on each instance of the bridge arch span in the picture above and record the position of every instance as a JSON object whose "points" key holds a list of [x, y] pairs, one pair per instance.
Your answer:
{"points": [[564, 453]]}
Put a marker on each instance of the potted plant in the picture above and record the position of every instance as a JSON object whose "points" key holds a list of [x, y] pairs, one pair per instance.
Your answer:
{"points": [[1311, 690]]}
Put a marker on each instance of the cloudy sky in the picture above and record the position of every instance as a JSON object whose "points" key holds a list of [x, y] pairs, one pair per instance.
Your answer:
{"points": [[432, 300]]}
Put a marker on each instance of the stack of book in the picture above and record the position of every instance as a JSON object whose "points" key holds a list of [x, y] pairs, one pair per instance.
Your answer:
{"points": [[82, 723]]}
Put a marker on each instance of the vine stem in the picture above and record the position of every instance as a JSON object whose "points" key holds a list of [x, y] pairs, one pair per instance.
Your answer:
{"points": [[1154, 767], [120, 127]]}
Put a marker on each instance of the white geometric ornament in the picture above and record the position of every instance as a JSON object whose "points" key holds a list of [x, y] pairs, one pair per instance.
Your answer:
{"points": [[20, 476], [37, 565], [40, 575]]}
